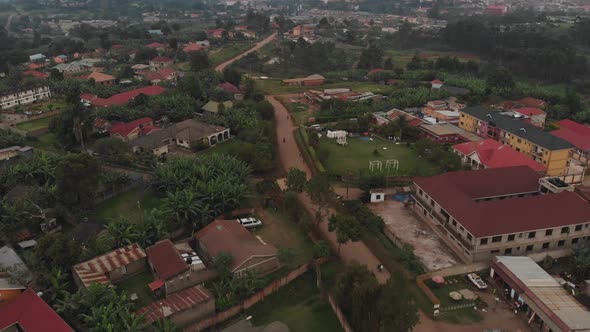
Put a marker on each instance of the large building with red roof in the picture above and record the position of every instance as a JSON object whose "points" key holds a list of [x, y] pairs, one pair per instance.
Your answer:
{"points": [[489, 153], [128, 131], [502, 211], [120, 98], [578, 135], [28, 312]]}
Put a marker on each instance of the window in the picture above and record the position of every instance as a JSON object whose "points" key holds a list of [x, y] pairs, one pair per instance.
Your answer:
{"points": [[469, 237], [431, 202], [549, 232], [483, 241], [508, 251], [455, 223], [561, 243], [511, 237], [565, 230], [578, 228], [532, 235], [496, 239], [530, 247], [545, 245], [495, 251], [574, 241], [461, 228], [419, 191], [519, 140]]}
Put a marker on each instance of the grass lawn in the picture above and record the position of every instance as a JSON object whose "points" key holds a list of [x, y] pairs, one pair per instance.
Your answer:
{"points": [[34, 124], [356, 155], [223, 147], [402, 57], [227, 52], [278, 230], [138, 284], [46, 142], [126, 204], [299, 306], [456, 283]]}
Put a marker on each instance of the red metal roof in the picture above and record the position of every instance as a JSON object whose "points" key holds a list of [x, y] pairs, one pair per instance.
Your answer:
{"points": [[165, 259], [374, 71], [36, 74], [494, 154], [529, 111], [228, 87], [32, 314], [532, 102], [124, 97], [177, 302], [575, 133], [456, 193], [437, 82], [161, 58], [155, 45], [193, 47], [125, 128]]}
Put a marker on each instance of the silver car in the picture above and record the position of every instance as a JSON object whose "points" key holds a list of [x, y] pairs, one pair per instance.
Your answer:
{"points": [[250, 222]]}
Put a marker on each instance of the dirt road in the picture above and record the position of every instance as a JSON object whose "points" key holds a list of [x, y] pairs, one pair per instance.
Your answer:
{"points": [[291, 157], [258, 45]]}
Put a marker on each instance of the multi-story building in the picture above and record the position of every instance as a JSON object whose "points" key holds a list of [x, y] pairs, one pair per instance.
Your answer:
{"points": [[502, 211], [24, 96], [542, 147]]}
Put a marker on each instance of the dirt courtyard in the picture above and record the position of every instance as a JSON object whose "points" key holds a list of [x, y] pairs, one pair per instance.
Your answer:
{"points": [[428, 247]]}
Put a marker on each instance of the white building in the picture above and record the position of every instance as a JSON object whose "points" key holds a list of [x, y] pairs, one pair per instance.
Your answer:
{"points": [[24, 96]]}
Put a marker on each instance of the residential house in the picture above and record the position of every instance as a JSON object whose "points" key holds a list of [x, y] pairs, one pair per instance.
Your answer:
{"points": [[37, 58], [218, 33], [156, 46], [77, 66], [193, 47], [24, 96], [311, 80], [446, 133], [140, 70], [541, 146], [28, 312], [121, 98], [110, 267], [383, 118], [156, 32], [60, 58], [185, 134], [437, 111], [532, 115], [496, 10], [101, 79], [502, 211], [532, 102], [15, 152], [303, 30], [181, 308], [166, 74], [249, 34], [36, 74], [9, 258], [489, 153], [231, 90], [128, 131], [436, 84], [212, 107], [229, 236], [576, 134], [10, 289], [176, 267], [160, 62], [548, 306]]}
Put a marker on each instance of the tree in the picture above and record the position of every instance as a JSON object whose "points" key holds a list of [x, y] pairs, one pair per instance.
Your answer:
{"points": [[286, 256], [319, 191], [347, 228], [501, 80], [223, 263], [370, 58], [183, 205], [56, 250], [122, 231], [296, 180], [198, 61], [126, 72], [232, 76], [112, 148], [77, 178], [581, 261], [321, 249], [388, 65], [173, 43]]}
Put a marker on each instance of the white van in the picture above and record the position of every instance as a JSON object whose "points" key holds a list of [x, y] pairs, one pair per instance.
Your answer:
{"points": [[250, 222]]}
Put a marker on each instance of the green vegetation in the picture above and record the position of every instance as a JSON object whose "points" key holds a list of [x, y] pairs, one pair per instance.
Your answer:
{"points": [[138, 284], [46, 142], [227, 52], [299, 306], [129, 204], [275, 86], [456, 283], [355, 157], [34, 124]]}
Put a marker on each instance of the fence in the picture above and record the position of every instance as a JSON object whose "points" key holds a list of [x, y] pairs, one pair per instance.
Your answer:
{"points": [[104, 195], [457, 307], [341, 318]]}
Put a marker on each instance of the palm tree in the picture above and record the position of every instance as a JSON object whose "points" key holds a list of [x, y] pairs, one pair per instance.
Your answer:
{"points": [[165, 325], [122, 231], [182, 205]]}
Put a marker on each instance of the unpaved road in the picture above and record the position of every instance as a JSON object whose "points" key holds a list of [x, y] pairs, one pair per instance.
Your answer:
{"points": [[221, 67]]}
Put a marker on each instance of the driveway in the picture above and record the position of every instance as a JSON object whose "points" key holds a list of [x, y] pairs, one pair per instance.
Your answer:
{"points": [[221, 67]]}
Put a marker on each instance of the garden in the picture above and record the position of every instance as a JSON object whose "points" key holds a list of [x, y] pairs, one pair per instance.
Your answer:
{"points": [[359, 151], [34, 124], [457, 311]]}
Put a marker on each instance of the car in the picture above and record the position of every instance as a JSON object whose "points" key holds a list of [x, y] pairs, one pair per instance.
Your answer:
{"points": [[249, 222], [477, 281]]}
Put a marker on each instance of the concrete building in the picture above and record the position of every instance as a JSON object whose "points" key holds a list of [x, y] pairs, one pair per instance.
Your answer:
{"points": [[502, 211], [311, 80], [110, 267], [578, 135], [24, 96], [551, 151], [546, 305]]}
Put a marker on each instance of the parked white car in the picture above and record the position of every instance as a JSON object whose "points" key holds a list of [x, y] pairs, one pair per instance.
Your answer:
{"points": [[250, 222], [477, 281]]}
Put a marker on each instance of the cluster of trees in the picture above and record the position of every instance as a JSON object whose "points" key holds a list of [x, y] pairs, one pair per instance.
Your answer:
{"points": [[8, 139], [198, 190], [446, 63], [310, 58], [370, 306], [440, 155], [524, 50]]}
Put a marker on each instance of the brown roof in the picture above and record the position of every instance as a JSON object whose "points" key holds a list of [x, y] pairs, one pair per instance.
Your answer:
{"points": [[177, 302], [230, 237], [100, 77], [165, 259], [461, 194], [95, 270]]}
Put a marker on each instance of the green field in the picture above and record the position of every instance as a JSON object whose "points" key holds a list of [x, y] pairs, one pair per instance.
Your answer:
{"points": [[34, 124], [227, 52], [357, 154], [138, 284], [127, 204], [274, 87], [46, 142], [299, 306], [402, 57]]}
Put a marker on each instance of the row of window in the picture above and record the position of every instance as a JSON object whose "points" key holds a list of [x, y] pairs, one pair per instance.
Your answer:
{"points": [[545, 245], [531, 235]]}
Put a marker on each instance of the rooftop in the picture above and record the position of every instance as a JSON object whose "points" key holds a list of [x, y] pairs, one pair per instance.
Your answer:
{"points": [[123, 97], [161, 58], [494, 154], [575, 133], [539, 287], [125, 128], [177, 302], [165, 259], [462, 195], [518, 128], [95, 270], [308, 78], [531, 102], [231, 237], [32, 314], [100, 77]]}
